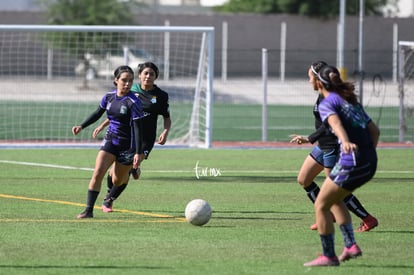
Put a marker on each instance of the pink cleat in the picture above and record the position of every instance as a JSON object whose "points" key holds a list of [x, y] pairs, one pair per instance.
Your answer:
{"points": [[85, 215], [107, 206], [350, 253], [323, 261], [367, 224]]}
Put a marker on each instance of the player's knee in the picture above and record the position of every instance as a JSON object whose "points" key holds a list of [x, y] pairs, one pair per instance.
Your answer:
{"points": [[303, 181], [116, 180]]}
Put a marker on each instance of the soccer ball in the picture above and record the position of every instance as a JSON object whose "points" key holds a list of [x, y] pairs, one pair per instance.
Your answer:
{"points": [[198, 212]]}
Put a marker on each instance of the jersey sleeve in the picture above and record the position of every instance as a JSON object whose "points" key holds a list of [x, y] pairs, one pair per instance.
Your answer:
{"points": [[136, 109], [165, 109], [327, 107], [104, 101], [317, 134]]}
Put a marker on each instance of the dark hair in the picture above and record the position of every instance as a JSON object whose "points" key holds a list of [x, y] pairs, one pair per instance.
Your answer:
{"points": [[122, 69], [316, 67], [331, 80], [148, 64]]}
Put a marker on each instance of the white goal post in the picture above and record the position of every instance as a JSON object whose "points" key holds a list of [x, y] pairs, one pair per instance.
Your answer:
{"points": [[53, 76], [405, 86]]}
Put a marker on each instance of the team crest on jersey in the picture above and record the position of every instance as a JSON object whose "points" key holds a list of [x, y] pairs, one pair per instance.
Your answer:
{"points": [[123, 110], [154, 100]]}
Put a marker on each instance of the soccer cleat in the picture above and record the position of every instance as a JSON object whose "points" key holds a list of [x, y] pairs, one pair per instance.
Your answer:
{"points": [[107, 206], [85, 214], [323, 261], [350, 253], [136, 173], [367, 224]]}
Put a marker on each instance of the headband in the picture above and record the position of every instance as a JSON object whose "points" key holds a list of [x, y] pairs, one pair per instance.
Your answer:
{"points": [[323, 80], [313, 70]]}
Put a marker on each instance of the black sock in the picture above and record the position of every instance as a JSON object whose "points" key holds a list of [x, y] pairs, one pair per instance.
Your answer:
{"points": [[312, 191], [355, 206], [116, 191], [90, 202], [109, 183]]}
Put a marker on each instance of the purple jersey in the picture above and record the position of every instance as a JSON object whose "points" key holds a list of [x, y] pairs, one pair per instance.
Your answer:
{"points": [[354, 120], [120, 112]]}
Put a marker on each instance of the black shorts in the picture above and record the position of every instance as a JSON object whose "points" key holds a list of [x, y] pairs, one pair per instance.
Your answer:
{"points": [[350, 178], [123, 154]]}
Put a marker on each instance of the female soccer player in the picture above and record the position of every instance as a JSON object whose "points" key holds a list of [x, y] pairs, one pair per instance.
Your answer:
{"points": [[122, 144], [155, 103], [358, 136], [323, 157]]}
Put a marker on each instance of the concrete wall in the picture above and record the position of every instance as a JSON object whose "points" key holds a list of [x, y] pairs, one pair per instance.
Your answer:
{"points": [[307, 39]]}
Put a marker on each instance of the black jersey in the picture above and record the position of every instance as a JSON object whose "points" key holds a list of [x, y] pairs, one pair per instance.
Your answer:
{"points": [[154, 103], [326, 139]]}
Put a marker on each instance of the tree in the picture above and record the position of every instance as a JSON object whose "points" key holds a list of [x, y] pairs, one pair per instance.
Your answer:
{"points": [[86, 12], [314, 8]]}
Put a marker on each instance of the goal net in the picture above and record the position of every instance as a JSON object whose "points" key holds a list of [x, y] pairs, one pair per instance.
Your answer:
{"points": [[53, 77], [406, 89]]}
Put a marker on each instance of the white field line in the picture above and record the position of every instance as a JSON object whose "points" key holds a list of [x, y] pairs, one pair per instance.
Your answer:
{"points": [[175, 171]]}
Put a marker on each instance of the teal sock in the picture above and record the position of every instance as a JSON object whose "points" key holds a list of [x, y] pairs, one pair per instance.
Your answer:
{"points": [[328, 245], [348, 234]]}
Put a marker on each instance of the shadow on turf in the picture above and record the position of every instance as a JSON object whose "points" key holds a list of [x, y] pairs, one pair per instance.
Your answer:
{"points": [[80, 267], [384, 266], [220, 215], [393, 231], [217, 215]]}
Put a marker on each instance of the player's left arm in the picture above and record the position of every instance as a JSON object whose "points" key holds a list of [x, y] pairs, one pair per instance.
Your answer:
{"points": [[162, 139], [100, 128]]}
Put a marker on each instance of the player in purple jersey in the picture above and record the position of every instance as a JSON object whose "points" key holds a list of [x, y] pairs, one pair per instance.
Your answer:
{"points": [[358, 137], [155, 103], [122, 144], [323, 157]]}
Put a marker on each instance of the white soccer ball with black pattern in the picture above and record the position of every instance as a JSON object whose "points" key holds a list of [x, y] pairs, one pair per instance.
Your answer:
{"points": [[198, 212]]}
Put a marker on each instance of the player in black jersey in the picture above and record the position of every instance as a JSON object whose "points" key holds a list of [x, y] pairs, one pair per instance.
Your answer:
{"points": [[323, 157], [155, 103], [122, 145]]}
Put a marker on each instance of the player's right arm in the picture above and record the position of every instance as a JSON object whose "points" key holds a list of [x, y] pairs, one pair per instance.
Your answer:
{"points": [[88, 121], [374, 131]]}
